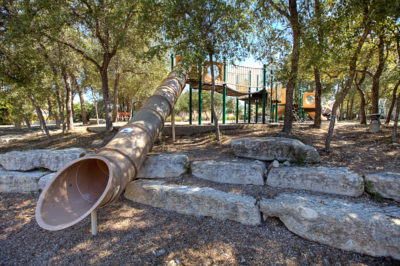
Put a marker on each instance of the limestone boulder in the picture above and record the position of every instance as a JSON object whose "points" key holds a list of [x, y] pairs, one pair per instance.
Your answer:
{"points": [[339, 223], [44, 180], [230, 172], [337, 180], [270, 148], [21, 182], [8, 139], [164, 165], [386, 184], [195, 201], [52, 160]]}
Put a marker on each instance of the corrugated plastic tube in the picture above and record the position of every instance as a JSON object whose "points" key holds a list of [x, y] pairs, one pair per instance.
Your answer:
{"points": [[89, 183]]}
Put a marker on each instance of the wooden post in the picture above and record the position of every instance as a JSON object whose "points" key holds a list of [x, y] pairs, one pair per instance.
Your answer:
{"points": [[93, 216]]}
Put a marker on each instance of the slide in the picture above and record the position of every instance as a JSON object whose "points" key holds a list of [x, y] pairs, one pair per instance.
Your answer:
{"points": [[89, 183]]}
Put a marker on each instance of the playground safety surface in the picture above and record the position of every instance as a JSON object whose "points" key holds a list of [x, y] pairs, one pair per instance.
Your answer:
{"points": [[132, 233]]}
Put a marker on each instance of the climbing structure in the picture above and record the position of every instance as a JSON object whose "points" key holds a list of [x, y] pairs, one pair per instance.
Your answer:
{"points": [[247, 84]]}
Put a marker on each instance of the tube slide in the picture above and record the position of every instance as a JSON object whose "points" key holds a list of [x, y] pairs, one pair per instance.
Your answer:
{"points": [[95, 181]]}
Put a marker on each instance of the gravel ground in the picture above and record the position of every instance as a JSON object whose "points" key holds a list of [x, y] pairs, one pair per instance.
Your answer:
{"points": [[131, 233]]}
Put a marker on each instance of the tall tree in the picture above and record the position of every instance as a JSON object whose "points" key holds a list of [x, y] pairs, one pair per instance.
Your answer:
{"points": [[201, 30], [291, 15], [359, 16], [101, 28]]}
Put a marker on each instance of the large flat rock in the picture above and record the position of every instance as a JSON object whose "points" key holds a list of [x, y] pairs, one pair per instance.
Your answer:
{"points": [[52, 160], [337, 180], [44, 180], [387, 184], [22, 182], [164, 165], [230, 172], [195, 201], [339, 223], [270, 148]]}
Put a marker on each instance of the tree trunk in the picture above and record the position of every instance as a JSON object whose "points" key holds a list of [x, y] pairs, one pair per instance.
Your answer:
{"points": [[68, 99], [363, 117], [95, 105], [351, 108], [375, 80], [212, 99], [40, 116], [392, 104], [28, 124], [341, 116], [81, 99], [51, 113], [50, 108], [396, 119], [318, 98], [60, 107], [345, 90], [105, 90], [115, 107], [294, 23], [72, 104]]}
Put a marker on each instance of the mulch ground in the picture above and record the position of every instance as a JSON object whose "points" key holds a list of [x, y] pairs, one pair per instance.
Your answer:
{"points": [[132, 233]]}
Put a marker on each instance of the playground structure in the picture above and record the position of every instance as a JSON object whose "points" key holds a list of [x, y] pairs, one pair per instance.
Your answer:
{"points": [[89, 183], [252, 86]]}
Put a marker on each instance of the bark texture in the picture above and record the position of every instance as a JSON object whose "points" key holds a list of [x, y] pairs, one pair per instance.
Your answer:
{"points": [[393, 103], [212, 98], [68, 99]]}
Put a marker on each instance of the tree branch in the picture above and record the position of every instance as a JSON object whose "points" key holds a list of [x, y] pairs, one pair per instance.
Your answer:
{"points": [[277, 8], [75, 49], [365, 71]]}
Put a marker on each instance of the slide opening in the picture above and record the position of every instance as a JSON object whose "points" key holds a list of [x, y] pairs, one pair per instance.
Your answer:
{"points": [[73, 193]]}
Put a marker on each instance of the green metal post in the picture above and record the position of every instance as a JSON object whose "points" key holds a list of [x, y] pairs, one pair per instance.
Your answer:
{"points": [[272, 102], [301, 110], [200, 96], [249, 116], [237, 110], [224, 97], [244, 117], [264, 92], [190, 103], [258, 77], [276, 104]]}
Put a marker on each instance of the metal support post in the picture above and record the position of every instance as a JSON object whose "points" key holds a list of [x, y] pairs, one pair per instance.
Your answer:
{"points": [[264, 92], [237, 110], [190, 104], [200, 97], [276, 104], [249, 116], [173, 109], [224, 97], [272, 112], [258, 77], [244, 117], [93, 219]]}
